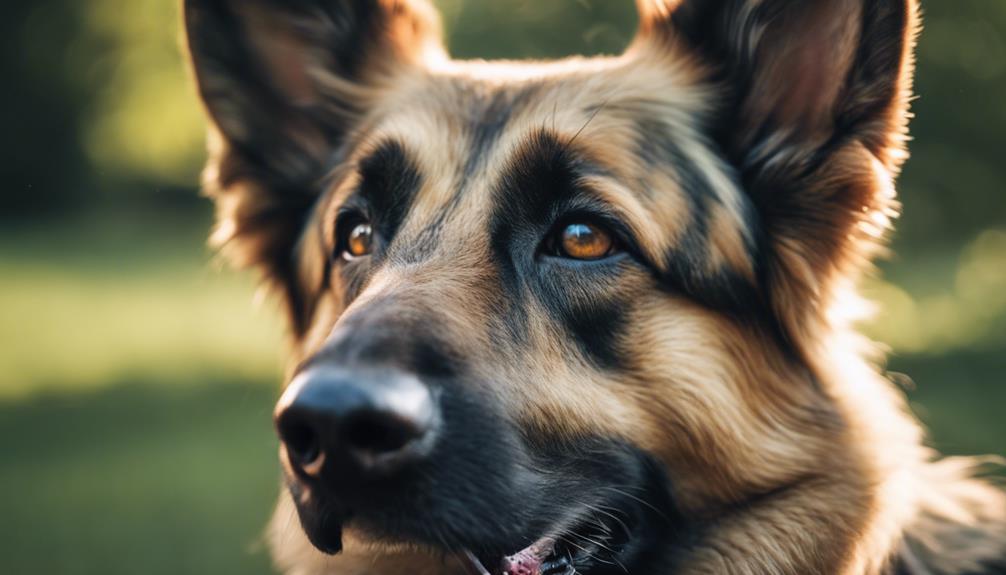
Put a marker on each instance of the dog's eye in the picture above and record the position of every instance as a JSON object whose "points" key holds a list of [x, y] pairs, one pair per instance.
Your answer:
{"points": [[357, 240], [583, 241]]}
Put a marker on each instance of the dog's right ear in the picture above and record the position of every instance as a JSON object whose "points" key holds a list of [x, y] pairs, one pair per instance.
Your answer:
{"points": [[284, 82]]}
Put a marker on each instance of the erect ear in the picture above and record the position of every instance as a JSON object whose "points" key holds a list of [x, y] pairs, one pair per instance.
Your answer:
{"points": [[802, 72], [814, 117], [284, 82]]}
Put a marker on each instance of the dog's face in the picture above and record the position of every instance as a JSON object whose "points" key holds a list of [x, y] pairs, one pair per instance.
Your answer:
{"points": [[552, 314]]}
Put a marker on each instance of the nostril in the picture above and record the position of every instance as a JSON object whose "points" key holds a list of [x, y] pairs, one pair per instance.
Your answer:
{"points": [[301, 440], [379, 433], [355, 425]]}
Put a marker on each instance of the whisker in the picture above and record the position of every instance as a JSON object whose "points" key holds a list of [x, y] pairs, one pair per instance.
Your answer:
{"points": [[589, 554], [637, 499], [607, 511], [597, 111], [285, 532], [471, 564], [593, 542]]}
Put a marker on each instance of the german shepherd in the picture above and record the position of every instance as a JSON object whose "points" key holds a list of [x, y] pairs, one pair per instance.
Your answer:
{"points": [[589, 316]]}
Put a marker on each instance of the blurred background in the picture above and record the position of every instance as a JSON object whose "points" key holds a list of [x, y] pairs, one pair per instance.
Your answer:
{"points": [[137, 378]]}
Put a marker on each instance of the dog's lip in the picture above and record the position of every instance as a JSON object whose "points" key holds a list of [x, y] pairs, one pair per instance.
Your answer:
{"points": [[540, 558], [558, 553], [527, 561]]}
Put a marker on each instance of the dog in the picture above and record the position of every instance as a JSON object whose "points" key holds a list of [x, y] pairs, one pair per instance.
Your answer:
{"points": [[586, 316]]}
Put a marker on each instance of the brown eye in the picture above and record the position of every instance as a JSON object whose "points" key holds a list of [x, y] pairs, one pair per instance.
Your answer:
{"points": [[359, 241], [583, 241]]}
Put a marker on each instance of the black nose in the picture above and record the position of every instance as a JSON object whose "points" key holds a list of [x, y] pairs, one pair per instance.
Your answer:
{"points": [[355, 425]]}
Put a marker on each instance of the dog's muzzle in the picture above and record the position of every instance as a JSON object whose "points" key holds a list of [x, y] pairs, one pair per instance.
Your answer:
{"points": [[346, 431]]}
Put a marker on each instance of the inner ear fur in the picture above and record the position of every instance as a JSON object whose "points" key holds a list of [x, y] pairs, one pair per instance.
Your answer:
{"points": [[814, 118]]}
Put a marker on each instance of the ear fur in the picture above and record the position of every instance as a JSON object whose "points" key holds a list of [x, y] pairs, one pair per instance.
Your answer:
{"points": [[815, 122]]}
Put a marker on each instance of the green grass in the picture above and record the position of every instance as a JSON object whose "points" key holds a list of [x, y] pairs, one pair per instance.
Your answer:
{"points": [[961, 398], [136, 389], [93, 302], [137, 479]]}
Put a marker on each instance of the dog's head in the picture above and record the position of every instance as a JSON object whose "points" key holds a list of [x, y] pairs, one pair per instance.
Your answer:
{"points": [[553, 312]]}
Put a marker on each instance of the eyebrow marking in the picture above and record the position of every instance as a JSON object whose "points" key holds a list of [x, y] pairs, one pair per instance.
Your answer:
{"points": [[542, 171], [389, 182]]}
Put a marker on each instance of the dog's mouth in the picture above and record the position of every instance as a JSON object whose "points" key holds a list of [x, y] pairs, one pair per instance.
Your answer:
{"points": [[605, 515], [602, 543]]}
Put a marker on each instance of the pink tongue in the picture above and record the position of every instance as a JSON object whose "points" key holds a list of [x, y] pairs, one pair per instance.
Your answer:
{"points": [[526, 562]]}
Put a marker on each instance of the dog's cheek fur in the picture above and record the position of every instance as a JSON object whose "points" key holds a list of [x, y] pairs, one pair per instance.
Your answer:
{"points": [[731, 414], [728, 412], [743, 432]]}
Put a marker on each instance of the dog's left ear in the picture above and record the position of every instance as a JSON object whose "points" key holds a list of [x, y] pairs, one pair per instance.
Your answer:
{"points": [[802, 72], [814, 118]]}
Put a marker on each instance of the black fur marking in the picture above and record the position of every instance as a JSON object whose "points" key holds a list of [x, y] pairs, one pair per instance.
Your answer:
{"points": [[686, 264], [510, 228], [660, 150], [538, 188], [596, 325], [631, 485], [354, 276], [389, 181], [724, 289], [300, 303]]}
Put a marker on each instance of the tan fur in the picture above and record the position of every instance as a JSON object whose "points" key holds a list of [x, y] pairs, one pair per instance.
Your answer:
{"points": [[796, 463], [727, 249]]}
